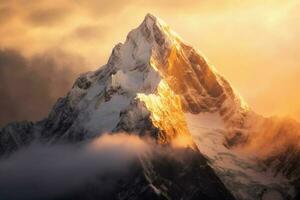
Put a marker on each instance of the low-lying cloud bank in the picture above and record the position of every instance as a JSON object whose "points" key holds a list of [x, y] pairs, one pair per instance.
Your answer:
{"points": [[48, 171]]}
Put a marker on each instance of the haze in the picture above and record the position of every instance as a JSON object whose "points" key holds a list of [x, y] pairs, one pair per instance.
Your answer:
{"points": [[254, 44]]}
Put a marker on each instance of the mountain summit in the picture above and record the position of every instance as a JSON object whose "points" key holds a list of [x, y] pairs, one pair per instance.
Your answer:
{"points": [[155, 85], [154, 68]]}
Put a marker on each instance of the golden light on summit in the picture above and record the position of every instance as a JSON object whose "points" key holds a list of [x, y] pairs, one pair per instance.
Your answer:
{"points": [[166, 113]]}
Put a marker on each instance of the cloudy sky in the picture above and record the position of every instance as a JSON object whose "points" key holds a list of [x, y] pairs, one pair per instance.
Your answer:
{"points": [[44, 45]]}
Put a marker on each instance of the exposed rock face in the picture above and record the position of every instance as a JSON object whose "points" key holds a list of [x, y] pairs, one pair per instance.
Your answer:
{"points": [[16, 135]]}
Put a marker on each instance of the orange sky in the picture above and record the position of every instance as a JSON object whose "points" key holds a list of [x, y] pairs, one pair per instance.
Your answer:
{"points": [[255, 44]]}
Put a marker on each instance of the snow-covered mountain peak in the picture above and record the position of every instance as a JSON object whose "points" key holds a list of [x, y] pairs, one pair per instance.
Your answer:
{"points": [[153, 61], [155, 84], [150, 39], [149, 20]]}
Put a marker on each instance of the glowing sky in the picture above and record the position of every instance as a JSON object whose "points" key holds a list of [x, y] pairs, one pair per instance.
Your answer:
{"points": [[255, 44]]}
